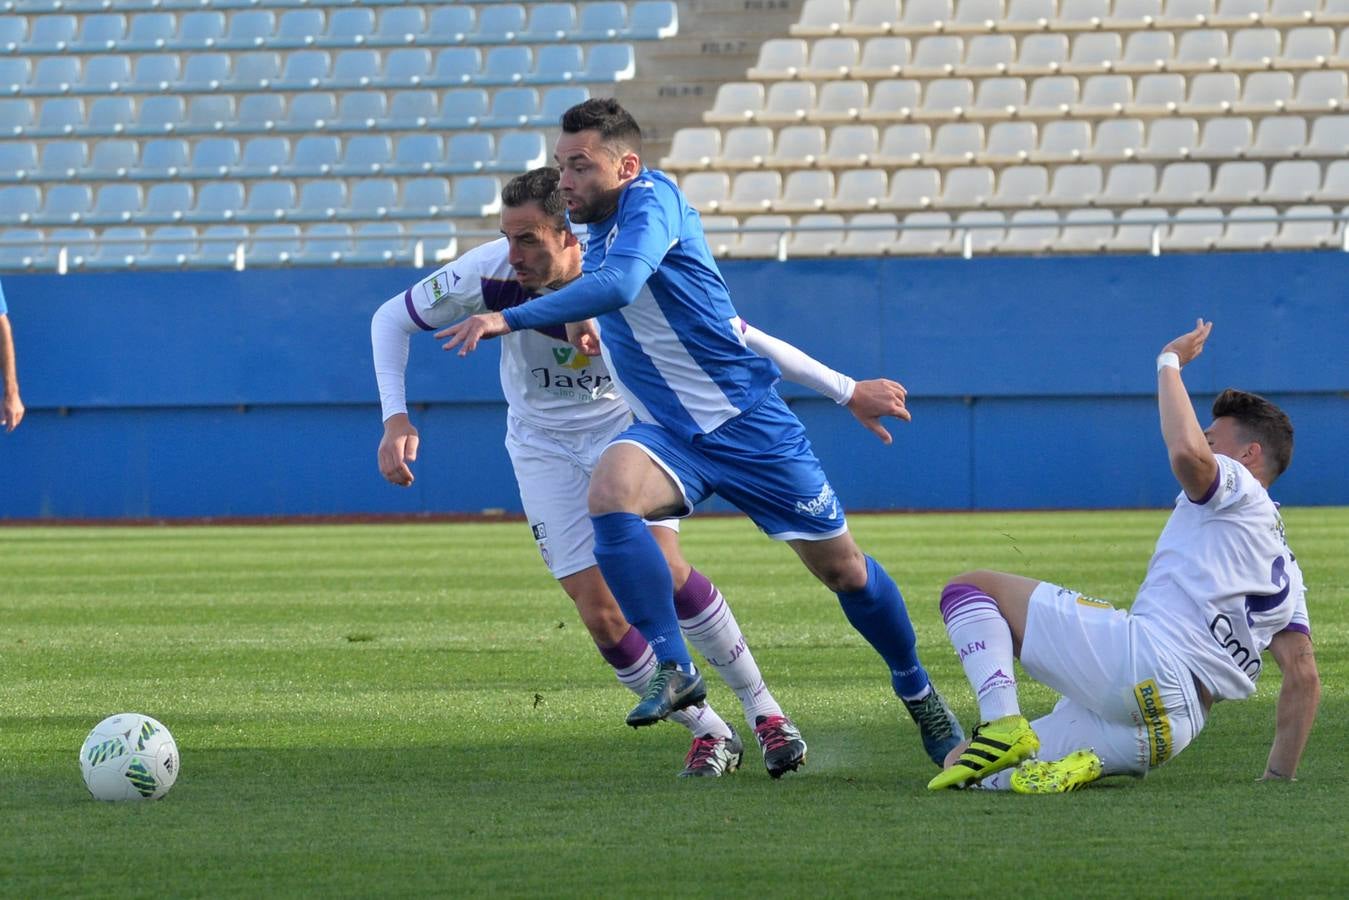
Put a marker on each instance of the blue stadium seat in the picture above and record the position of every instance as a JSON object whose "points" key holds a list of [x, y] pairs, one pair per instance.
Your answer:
{"points": [[164, 158], [250, 28], [111, 115], [557, 100], [367, 154], [22, 248], [15, 73], [160, 115], [311, 110], [201, 71], [13, 32], [325, 244], [16, 115], [19, 203], [210, 112], [519, 151], [453, 23], [361, 109], [218, 245], [558, 62], [500, 23], [652, 20], [512, 107], [274, 245], [406, 66], [419, 153], [269, 201], [456, 65], [60, 115], [100, 31], [322, 199], [412, 109], [56, 75], [299, 27], [171, 246], [462, 108], [61, 160], [255, 70], [350, 26], [423, 197], [215, 157], [113, 158], [199, 29], [18, 160], [105, 73], [117, 203], [168, 201], [358, 69], [476, 196], [610, 62], [157, 72], [51, 33], [373, 198], [550, 22], [317, 153], [264, 156], [217, 201], [65, 204], [470, 151], [379, 242], [401, 25], [263, 111], [602, 21], [308, 69], [78, 243], [507, 65], [152, 30]]}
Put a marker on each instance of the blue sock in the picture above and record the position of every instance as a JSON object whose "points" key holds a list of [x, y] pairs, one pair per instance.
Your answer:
{"points": [[877, 612], [635, 569]]}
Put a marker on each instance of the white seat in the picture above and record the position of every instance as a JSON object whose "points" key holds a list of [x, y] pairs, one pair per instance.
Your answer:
{"points": [[851, 145], [706, 191], [903, 145], [1078, 14], [923, 234], [1030, 231], [1226, 138], [1087, 230], [821, 18], [1308, 226], [894, 98], [913, 189], [1170, 139], [787, 102], [1200, 50], [1193, 228], [1182, 182], [1265, 92], [811, 238], [1147, 51], [1320, 92], [876, 236], [1132, 13], [746, 147], [936, 55], [1254, 49], [883, 57], [1129, 184], [1075, 185], [1137, 230], [1029, 15], [797, 146], [858, 189], [1021, 186], [757, 244], [752, 192], [978, 15], [840, 101], [926, 14], [736, 102], [956, 142], [780, 58], [998, 98], [1010, 142], [1117, 139], [1157, 94], [1212, 93], [832, 57], [1237, 182], [693, 148], [1306, 48], [1293, 181], [984, 230], [1095, 52], [1041, 54], [1051, 97], [722, 232], [1104, 95], [967, 186], [1329, 137], [1243, 234], [947, 98], [1279, 137], [1186, 13], [989, 54], [873, 17], [1064, 140]]}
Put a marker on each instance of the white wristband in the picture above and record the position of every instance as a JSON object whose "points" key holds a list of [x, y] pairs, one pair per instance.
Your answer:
{"points": [[1168, 360]]}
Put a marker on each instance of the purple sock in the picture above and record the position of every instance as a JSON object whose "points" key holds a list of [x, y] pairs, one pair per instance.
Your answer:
{"points": [[696, 595], [627, 651]]}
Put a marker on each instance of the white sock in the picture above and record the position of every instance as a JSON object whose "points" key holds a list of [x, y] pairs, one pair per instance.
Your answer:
{"points": [[981, 637], [714, 633]]}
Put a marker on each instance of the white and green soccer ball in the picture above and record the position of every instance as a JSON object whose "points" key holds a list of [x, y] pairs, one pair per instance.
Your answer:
{"points": [[129, 757]]}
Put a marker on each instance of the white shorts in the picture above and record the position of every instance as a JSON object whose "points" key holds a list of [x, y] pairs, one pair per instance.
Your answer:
{"points": [[552, 471], [1134, 705]]}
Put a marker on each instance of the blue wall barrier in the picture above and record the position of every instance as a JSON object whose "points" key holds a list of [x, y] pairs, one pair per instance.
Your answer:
{"points": [[165, 395]]}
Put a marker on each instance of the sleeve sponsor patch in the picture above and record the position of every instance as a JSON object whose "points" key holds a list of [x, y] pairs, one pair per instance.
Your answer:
{"points": [[438, 286]]}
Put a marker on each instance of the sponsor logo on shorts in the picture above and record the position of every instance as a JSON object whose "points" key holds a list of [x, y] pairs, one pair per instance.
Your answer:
{"points": [[825, 504], [1155, 721], [540, 533], [1084, 600]]}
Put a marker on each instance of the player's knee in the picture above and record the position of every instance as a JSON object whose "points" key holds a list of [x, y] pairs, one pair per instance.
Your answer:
{"points": [[845, 575]]}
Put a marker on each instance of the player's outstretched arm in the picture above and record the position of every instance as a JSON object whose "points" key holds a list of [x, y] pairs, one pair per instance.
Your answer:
{"points": [[1298, 699], [1192, 461], [390, 329]]}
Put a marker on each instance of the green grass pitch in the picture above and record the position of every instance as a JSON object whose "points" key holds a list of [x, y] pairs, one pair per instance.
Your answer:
{"points": [[393, 710]]}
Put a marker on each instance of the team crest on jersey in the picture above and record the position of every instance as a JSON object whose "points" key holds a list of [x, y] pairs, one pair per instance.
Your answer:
{"points": [[437, 287]]}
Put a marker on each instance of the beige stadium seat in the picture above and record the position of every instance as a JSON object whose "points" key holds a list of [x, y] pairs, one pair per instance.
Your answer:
{"points": [[1075, 185], [798, 146], [1239, 181], [1321, 92], [858, 190], [876, 236], [984, 230], [851, 146], [816, 234], [1242, 233], [1051, 98], [736, 102], [1105, 95], [1183, 182], [988, 55], [883, 57], [1020, 187], [903, 145], [787, 102], [873, 17], [1116, 139], [1030, 231], [1095, 52], [1193, 228], [1170, 139], [746, 147], [1307, 48], [840, 101], [1253, 49], [1329, 137], [1137, 231], [1129, 184], [706, 191], [780, 58], [936, 56], [946, 98], [1064, 140], [966, 186], [1212, 93], [757, 244], [1294, 181], [821, 18], [1010, 142], [806, 190], [1265, 92], [998, 98], [832, 58], [753, 192], [1200, 50], [1308, 227], [1279, 137], [693, 148], [1041, 54], [722, 232], [913, 189], [1226, 138], [956, 143], [894, 99], [1086, 230], [1157, 94], [1147, 51], [923, 234]]}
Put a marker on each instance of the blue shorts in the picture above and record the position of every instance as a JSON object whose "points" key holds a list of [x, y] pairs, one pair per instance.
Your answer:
{"points": [[760, 461]]}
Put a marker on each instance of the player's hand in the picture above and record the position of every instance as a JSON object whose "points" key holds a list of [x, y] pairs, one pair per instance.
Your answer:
{"points": [[397, 448], [585, 337], [1188, 346], [878, 397], [11, 412], [467, 333]]}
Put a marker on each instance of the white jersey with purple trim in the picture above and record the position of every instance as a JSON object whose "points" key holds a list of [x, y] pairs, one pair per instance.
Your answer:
{"points": [[1222, 582], [546, 381]]}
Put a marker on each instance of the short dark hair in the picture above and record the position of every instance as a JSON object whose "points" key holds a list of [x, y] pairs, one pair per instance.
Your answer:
{"points": [[615, 124], [536, 186], [1262, 422]]}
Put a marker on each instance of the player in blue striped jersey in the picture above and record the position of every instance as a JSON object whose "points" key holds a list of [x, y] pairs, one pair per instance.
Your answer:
{"points": [[708, 419]]}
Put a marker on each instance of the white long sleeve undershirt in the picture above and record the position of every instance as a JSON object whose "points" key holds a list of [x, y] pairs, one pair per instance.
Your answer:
{"points": [[798, 367], [390, 329]]}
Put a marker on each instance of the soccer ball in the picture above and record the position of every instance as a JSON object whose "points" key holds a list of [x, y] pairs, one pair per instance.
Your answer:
{"points": [[129, 757]]}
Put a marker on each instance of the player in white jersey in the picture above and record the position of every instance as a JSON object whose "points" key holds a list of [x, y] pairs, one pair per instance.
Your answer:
{"points": [[563, 411], [1138, 686]]}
